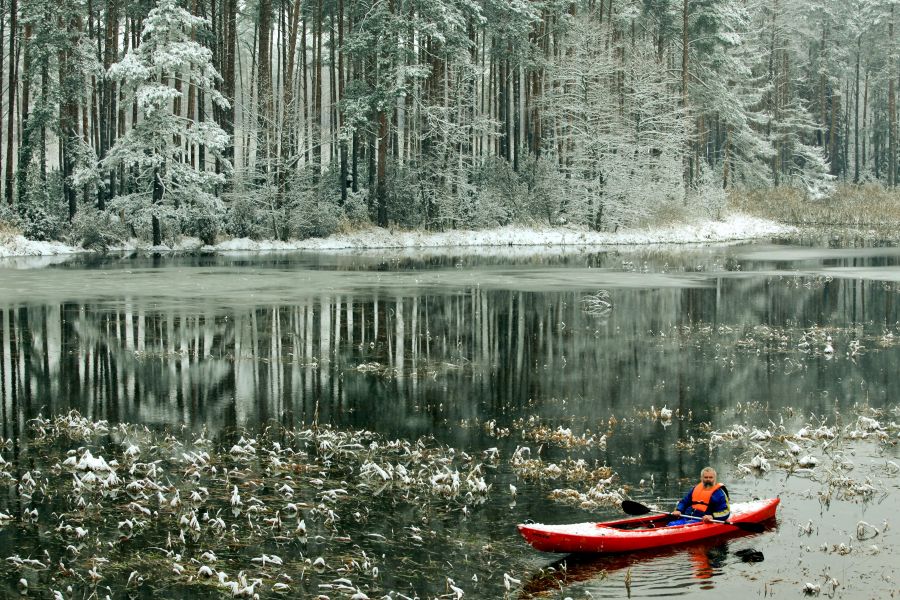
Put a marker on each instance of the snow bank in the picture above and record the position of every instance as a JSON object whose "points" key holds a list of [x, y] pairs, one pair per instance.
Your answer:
{"points": [[735, 227], [19, 246]]}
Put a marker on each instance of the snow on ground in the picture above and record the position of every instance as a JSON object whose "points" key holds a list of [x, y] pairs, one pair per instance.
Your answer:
{"points": [[736, 227], [732, 228], [16, 245]]}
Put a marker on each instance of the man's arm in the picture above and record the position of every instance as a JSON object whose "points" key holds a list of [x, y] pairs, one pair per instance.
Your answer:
{"points": [[683, 504], [718, 506]]}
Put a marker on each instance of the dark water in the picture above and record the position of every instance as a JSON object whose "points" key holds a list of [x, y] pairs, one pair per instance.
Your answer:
{"points": [[478, 351]]}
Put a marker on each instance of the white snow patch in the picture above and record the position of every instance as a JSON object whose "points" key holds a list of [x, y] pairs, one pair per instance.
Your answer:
{"points": [[735, 227], [20, 246]]}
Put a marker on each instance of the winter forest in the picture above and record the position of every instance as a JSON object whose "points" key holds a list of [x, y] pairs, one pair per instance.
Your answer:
{"points": [[292, 119]]}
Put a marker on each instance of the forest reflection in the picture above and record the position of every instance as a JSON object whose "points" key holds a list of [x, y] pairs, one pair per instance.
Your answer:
{"points": [[419, 362]]}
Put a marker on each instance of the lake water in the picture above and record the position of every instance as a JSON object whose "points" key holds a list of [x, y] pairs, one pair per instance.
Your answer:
{"points": [[540, 371]]}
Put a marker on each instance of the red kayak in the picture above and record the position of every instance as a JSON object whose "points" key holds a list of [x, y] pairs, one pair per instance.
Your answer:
{"points": [[640, 533]]}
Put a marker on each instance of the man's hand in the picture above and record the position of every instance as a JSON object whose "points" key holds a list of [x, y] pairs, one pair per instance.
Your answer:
{"points": [[676, 513], [707, 519]]}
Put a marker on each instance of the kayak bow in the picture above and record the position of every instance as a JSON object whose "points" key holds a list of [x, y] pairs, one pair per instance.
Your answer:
{"points": [[627, 535]]}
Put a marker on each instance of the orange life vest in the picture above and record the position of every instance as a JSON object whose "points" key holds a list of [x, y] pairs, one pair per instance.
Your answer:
{"points": [[700, 496]]}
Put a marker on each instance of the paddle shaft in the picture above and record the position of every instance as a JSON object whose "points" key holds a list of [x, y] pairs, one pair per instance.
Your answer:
{"points": [[754, 527], [693, 518], [636, 508]]}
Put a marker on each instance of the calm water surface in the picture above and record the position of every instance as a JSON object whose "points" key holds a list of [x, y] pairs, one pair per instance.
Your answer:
{"points": [[475, 352]]}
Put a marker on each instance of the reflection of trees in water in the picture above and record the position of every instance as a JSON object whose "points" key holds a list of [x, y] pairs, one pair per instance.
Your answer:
{"points": [[428, 360]]}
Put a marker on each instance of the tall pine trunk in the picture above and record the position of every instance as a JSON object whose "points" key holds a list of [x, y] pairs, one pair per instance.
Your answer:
{"points": [[317, 90], [773, 93], [865, 118], [264, 93], [288, 138], [2, 33], [856, 115], [25, 149], [340, 123], [892, 113], [383, 133], [68, 117], [107, 98], [685, 40], [157, 200], [229, 47], [11, 102]]}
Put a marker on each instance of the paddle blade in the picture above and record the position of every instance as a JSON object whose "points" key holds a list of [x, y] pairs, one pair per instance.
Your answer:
{"points": [[631, 507]]}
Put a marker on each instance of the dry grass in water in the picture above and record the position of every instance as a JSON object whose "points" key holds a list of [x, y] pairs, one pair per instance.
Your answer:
{"points": [[867, 206], [155, 509]]}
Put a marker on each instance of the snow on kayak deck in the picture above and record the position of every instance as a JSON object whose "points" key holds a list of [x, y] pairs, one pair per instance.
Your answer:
{"points": [[740, 509]]}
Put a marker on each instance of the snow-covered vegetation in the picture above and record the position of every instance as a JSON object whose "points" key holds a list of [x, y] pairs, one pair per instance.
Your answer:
{"points": [[736, 227], [287, 121]]}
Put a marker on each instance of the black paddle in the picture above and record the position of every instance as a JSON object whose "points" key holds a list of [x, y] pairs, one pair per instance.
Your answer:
{"points": [[636, 509]]}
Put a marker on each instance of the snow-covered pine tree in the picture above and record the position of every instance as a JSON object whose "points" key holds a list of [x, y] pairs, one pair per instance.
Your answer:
{"points": [[619, 127], [58, 61], [164, 186], [731, 95], [789, 126]]}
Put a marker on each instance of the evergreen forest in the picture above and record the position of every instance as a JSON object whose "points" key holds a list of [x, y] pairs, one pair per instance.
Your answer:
{"points": [[283, 119]]}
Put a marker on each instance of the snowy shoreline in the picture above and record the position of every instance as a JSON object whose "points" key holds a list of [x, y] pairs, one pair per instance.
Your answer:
{"points": [[734, 227]]}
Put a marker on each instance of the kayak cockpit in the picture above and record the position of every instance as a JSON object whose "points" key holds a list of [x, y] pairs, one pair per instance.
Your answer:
{"points": [[641, 523]]}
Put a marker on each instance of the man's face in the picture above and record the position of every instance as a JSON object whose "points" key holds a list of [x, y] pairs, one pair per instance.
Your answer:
{"points": [[708, 478]]}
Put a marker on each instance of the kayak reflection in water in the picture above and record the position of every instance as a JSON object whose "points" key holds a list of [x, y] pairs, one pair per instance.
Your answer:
{"points": [[651, 569], [707, 500]]}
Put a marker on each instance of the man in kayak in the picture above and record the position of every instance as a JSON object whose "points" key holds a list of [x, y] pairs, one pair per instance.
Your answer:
{"points": [[707, 500]]}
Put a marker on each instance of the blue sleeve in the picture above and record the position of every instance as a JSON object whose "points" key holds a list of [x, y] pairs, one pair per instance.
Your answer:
{"points": [[685, 502], [718, 505]]}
